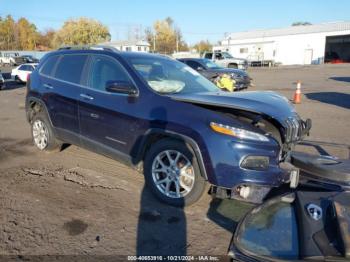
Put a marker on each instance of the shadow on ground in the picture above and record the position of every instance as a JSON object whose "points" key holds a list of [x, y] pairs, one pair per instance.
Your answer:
{"points": [[162, 229], [341, 78], [9, 85], [332, 98]]}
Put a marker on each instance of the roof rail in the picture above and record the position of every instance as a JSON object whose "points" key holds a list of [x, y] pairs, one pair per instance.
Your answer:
{"points": [[89, 47]]}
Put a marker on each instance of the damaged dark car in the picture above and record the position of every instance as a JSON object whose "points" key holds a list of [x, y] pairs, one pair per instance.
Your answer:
{"points": [[164, 118], [236, 79]]}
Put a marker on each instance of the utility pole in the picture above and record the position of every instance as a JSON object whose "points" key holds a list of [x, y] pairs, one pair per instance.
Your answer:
{"points": [[154, 42], [177, 42]]}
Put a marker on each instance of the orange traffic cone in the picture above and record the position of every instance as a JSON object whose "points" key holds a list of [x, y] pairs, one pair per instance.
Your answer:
{"points": [[297, 94]]}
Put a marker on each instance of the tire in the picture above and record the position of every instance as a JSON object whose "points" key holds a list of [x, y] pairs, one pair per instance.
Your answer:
{"points": [[183, 189], [18, 80], [232, 66], [42, 134]]}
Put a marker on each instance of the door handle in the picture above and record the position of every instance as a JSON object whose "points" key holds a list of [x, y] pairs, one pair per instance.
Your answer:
{"points": [[48, 86], [86, 97], [96, 116]]}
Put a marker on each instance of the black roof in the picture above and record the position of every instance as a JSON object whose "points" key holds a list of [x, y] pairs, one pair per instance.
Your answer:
{"points": [[104, 49], [193, 59]]}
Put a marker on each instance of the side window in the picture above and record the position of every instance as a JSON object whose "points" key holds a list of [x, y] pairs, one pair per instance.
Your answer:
{"points": [[106, 69], [208, 55], [22, 67], [218, 56], [70, 68], [194, 64], [26, 68], [49, 65]]}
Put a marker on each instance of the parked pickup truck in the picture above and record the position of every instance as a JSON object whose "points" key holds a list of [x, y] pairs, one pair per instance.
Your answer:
{"points": [[224, 59], [11, 59]]}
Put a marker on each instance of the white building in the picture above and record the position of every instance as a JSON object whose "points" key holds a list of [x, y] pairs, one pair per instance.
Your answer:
{"points": [[309, 44], [130, 45]]}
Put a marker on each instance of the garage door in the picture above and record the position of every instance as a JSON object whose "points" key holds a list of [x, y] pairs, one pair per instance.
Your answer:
{"points": [[337, 49]]}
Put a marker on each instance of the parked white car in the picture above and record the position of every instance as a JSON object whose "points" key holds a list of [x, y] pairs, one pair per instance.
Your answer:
{"points": [[20, 73]]}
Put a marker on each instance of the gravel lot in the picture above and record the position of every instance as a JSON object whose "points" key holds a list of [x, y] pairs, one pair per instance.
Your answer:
{"points": [[78, 203]]}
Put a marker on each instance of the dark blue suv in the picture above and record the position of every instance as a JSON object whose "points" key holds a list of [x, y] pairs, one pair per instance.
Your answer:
{"points": [[160, 116]]}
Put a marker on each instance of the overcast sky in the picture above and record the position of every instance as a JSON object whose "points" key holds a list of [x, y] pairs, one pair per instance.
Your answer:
{"points": [[197, 19]]}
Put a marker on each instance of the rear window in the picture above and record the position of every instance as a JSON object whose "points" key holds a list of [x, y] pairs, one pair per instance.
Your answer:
{"points": [[70, 68], [49, 65]]}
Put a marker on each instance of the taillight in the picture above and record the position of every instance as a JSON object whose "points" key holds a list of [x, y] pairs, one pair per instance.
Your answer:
{"points": [[28, 77]]}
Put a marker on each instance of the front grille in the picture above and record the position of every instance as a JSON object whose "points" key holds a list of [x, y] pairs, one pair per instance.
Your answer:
{"points": [[293, 129]]}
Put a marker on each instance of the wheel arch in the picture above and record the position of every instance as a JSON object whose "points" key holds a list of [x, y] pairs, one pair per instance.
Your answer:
{"points": [[153, 135], [35, 105]]}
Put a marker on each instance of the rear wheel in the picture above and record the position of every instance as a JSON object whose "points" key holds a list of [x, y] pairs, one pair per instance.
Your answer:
{"points": [[172, 173], [42, 134], [18, 80], [232, 66]]}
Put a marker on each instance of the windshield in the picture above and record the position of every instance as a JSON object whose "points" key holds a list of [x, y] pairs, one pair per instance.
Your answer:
{"points": [[166, 76], [210, 64], [226, 55], [272, 231]]}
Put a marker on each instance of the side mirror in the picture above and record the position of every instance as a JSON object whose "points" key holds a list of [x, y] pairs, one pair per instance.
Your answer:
{"points": [[121, 87]]}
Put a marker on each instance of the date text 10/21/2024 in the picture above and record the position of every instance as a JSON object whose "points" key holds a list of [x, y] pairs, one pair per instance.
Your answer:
{"points": [[173, 258]]}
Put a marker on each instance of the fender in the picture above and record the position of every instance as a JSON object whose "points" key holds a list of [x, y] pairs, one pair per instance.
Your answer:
{"points": [[140, 151], [31, 99]]}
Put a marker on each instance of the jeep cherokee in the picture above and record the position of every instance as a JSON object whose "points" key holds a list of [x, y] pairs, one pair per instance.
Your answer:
{"points": [[160, 116]]}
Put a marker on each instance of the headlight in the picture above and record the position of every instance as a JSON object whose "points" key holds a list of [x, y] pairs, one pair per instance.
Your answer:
{"points": [[237, 132]]}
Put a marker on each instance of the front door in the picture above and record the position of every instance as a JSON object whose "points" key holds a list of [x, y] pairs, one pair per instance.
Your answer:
{"points": [[106, 125]]}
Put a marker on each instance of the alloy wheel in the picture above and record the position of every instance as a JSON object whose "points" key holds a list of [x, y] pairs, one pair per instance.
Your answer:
{"points": [[173, 174], [40, 134]]}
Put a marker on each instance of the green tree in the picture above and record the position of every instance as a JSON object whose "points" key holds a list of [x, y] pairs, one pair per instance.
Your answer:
{"points": [[81, 31], [165, 38], [203, 46], [301, 23], [27, 35], [46, 39], [8, 34]]}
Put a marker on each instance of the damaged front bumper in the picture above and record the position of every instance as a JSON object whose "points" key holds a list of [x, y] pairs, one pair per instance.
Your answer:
{"points": [[254, 192]]}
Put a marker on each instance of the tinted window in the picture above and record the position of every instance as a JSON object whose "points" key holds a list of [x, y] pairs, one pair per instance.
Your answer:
{"points": [[22, 67], [271, 232], [106, 69], [27, 68], [49, 65], [193, 64], [208, 55], [70, 68]]}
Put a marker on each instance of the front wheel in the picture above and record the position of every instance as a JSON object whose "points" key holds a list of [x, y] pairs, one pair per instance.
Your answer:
{"points": [[233, 66], [172, 173]]}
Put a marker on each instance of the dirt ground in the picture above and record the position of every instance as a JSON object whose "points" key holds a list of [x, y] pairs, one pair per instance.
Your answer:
{"points": [[75, 202]]}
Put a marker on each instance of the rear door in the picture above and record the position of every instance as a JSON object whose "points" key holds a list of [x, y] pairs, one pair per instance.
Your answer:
{"points": [[61, 83], [106, 120]]}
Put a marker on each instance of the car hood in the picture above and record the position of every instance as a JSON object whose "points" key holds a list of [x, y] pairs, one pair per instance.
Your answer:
{"points": [[228, 71], [262, 102]]}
